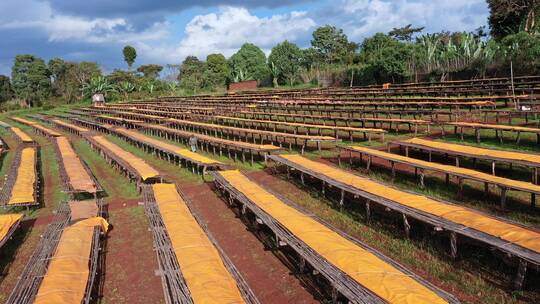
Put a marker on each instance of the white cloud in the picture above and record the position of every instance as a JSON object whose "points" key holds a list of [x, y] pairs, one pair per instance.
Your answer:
{"points": [[231, 27], [362, 18], [59, 27]]}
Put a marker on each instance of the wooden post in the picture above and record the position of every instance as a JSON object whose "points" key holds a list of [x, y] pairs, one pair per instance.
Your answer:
{"points": [[460, 186], [520, 275], [453, 245], [393, 170], [406, 226], [503, 197], [368, 210], [342, 200]]}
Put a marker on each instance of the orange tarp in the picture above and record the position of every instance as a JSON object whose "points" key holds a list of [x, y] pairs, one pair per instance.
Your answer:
{"points": [[240, 144], [497, 127], [23, 121], [47, 131], [383, 279], [23, 189], [419, 121], [69, 269], [460, 215], [468, 173], [480, 152], [119, 119], [303, 125], [206, 276], [214, 126], [70, 126], [22, 135], [144, 170], [6, 223], [168, 147], [78, 177]]}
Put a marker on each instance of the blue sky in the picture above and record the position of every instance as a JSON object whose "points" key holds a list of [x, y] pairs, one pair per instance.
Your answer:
{"points": [[167, 31]]}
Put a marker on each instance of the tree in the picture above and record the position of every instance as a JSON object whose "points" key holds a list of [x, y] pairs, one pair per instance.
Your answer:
{"points": [[511, 16], [129, 55], [405, 33], [286, 57], [217, 70], [250, 60], [150, 70], [332, 45], [57, 67], [524, 52], [191, 73], [6, 93], [384, 58], [30, 79]]}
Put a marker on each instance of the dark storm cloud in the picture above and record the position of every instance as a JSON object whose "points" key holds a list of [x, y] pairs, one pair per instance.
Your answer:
{"points": [[105, 8]]}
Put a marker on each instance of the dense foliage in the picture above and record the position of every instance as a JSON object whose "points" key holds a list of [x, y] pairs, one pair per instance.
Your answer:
{"points": [[150, 70], [403, 54], [285, 61], [249, 63], [509, 17], [30, 79], [6, 93]]}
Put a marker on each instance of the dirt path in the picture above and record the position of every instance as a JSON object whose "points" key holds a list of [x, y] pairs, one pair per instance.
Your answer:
{"points": [[270, 279], [130, 262]]}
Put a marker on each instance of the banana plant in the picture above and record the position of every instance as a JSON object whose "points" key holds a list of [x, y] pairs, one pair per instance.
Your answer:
{"points": [[126, 87], [97, 85]]}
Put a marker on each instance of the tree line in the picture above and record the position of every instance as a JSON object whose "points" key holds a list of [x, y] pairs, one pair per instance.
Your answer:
{"points": [[402, 54]]}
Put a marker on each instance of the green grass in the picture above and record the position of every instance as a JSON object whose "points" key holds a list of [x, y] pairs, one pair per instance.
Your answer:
{"points": [[424, 254], [115, 185], [487, 139], [246, 166], [52, 194], [161, 165]]}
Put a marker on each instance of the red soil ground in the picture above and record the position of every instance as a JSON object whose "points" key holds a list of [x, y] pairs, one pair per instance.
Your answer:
{"points": [[130, 261], [269, 278]]}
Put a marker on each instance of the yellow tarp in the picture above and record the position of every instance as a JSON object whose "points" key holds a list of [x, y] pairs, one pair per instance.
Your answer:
{"points": [[22, 135], [214, 126], [381, 278], [241, 144], [418, 121], [303, 125], [78, 177], [473, 174], [6, 223], [144, 170], [479, 152], [23, 189], [120, 119], [47, 131], [23, 121], [497, 127], [70, 126], [69, 269], [202, 267], [459, 215], [168, 147]]}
